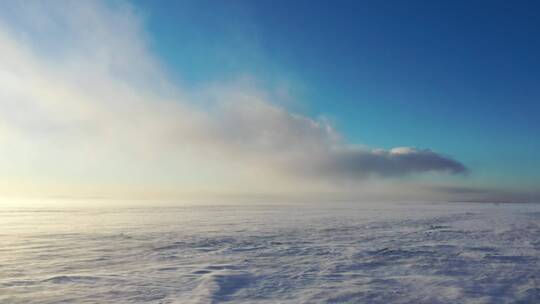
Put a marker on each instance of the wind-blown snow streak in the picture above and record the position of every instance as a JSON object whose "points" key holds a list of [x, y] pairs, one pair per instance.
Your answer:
{"points": [[383, 253]]}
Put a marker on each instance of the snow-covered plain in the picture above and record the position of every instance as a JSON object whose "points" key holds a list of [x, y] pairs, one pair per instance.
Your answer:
{"points": [[331, 253]]}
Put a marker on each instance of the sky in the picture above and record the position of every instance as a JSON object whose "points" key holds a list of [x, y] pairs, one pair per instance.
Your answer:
{"points": [[271, 100]]}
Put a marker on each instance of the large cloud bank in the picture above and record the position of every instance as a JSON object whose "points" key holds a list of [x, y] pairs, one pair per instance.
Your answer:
{"points": [[82, 98]]}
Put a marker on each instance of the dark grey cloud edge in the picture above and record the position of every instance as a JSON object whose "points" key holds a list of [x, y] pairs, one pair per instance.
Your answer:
{"points": [[311, 148], [351, 163]]}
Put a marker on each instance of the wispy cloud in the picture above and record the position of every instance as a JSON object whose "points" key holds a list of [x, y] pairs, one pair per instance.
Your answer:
{"points": [[84, 99], [353, 163]]}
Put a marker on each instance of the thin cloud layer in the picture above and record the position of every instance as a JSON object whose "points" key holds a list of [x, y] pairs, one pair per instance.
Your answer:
{"points": [[352, 163], [97, 104], [312, 148]]}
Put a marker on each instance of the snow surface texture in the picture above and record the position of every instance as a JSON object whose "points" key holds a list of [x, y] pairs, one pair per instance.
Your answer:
{"points": [[378, 253]]}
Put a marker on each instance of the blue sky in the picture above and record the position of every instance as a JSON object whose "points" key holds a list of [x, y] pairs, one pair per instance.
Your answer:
{"points": [[455, 76], [420, 99]]}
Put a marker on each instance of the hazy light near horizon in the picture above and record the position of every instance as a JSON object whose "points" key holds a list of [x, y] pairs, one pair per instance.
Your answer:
{"points": [[87, 109]]}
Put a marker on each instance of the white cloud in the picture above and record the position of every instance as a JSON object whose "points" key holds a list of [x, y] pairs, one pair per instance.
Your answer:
{"points": [[83, 100]]}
